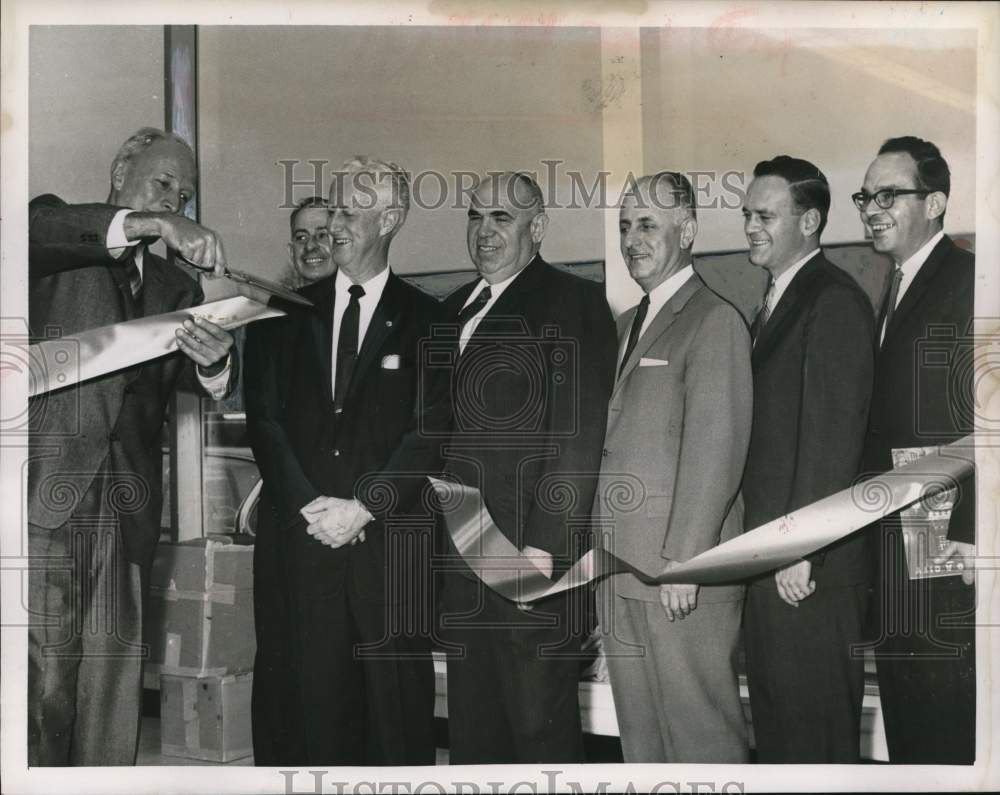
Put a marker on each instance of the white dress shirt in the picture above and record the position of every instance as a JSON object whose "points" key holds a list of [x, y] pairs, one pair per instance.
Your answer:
{"points": [[374, 288], [496, 290], [116, 243], [658, 296]]}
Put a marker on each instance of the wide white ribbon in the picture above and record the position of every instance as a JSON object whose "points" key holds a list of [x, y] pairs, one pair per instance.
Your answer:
{"points": [[64, 361], [500, 564]]}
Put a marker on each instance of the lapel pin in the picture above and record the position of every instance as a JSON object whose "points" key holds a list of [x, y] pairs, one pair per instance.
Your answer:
{"points": [[388, 324]]}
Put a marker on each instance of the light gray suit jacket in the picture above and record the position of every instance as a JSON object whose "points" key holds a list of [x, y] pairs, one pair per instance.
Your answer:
{"points": [[677, 437]]}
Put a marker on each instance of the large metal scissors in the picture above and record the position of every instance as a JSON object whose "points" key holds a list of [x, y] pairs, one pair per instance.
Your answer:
{"points": [[272, 288]]}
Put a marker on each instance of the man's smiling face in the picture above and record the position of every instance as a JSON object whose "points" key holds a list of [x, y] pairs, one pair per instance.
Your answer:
{"points": [[311, 243], [505, 228], [902, 229], [773, 225], [357, 228], [655, 233]]}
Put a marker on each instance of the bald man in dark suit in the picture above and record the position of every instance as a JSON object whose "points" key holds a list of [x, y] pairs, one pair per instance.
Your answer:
{"points": [[530, 384]]}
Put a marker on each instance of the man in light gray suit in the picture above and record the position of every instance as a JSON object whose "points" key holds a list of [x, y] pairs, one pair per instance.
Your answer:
{"points": [[677, 436]]}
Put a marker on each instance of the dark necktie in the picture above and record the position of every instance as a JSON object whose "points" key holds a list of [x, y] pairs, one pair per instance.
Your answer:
{"points": [[889, 307], [134, 277], [633, 334], [347, 346], [475, 307]]}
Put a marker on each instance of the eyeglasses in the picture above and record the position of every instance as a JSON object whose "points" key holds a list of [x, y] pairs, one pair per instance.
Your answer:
{"points": [[884, 198]]}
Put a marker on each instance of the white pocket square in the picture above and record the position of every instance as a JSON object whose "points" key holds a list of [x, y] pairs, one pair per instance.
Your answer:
{"points": [[390, 362], [649, 362]]}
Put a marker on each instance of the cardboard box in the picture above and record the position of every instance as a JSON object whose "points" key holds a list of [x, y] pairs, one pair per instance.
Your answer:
{"points": [[203, 564], [200, 614], [206, 718]]}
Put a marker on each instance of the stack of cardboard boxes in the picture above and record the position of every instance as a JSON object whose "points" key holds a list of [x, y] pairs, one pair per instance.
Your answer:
{"points": [[200, 633]]}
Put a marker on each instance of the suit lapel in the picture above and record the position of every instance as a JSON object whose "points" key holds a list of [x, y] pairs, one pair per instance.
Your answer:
{"points": [[457, 299], [525, 283], [155, 297], [383, 321], [453, 305], [920, 284], [505, 316], [664, 320], [319, 329], [787, 305], [624, 325]]}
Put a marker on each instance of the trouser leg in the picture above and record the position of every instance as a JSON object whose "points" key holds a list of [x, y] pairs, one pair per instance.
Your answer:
{"points": [[84, 646]]}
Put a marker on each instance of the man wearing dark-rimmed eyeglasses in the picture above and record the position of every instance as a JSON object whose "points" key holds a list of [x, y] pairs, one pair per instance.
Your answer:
{"points": [[924, 636]]}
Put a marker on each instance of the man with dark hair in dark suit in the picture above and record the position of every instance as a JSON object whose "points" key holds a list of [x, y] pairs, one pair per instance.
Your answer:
{"points": [[342, 427], [94, 493], [925, 633], [310, 248], [535, 363], [812, 374]]}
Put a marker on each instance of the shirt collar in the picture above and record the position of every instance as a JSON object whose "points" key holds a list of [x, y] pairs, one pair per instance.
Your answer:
{"points": [[496, 290], [912, 265], [666, 290], [374, 287], [781, 282]]}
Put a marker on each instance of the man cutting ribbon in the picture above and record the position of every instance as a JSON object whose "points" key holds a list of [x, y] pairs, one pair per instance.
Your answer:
{"points": [[94, 475]]}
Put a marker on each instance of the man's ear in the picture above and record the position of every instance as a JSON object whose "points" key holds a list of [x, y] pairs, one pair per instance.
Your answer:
{"points": [[809, 222], [937, 203], [689, 231], [291, 255], [118, 171], [538, 226], [390, 221]]}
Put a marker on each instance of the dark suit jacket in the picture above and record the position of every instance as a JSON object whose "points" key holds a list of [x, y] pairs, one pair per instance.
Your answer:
{"points": [[379, 449], [923, 376], [530, 399], [812, 374], [76, 285]]}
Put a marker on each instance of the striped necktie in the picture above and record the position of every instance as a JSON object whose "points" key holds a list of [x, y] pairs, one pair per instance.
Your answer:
{"points": [[134, 277], [765, 311], [475, 307]]}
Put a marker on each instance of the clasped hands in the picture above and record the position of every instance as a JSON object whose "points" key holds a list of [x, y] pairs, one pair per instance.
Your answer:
{"points": [[795, 581], [336, 522], [678, 599]]}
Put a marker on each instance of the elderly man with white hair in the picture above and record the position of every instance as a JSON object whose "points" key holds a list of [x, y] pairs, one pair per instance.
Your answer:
{"points": [[94, 474], [339, 423]]}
